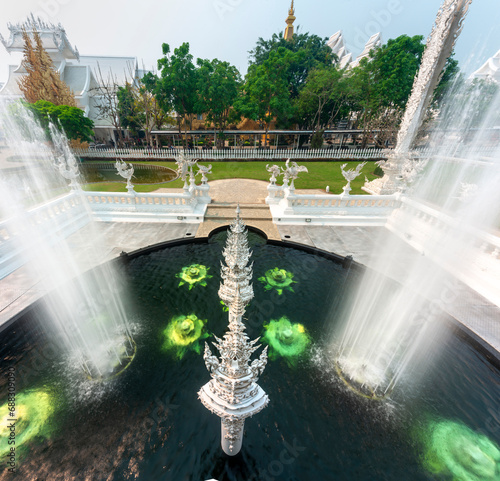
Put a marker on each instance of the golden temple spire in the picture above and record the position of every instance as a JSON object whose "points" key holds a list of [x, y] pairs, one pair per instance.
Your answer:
{"points": [[289, 21]]}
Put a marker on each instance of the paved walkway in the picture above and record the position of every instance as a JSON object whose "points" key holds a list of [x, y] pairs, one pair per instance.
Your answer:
{"points": [[250, 195], [242, 191], [22, 288]]}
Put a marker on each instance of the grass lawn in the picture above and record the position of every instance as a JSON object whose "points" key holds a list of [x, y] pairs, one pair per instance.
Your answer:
{"points": [[320, 175]]}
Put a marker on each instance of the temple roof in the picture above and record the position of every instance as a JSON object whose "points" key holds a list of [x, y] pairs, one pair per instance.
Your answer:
{"points": [[490, 70], [54, 38], [375, 41]]}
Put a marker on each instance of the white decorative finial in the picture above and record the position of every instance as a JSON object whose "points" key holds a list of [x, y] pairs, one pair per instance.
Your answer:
{"points": [[233, 393], [350, 175], [126, 171], [291, 172]]}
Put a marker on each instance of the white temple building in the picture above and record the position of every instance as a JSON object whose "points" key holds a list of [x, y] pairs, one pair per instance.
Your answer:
{"points": [[345, 58], [490, 70], [80, 72], [338, 46]]}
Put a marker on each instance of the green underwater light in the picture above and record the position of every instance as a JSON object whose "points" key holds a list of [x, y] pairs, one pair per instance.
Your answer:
{"points": [[456, 451], [286, 339], [32, 410], [193, 275], [183, 333], [278, 279]]}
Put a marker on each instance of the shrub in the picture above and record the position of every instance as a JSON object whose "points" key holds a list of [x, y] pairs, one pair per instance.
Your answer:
{"points": [[317, 140]]}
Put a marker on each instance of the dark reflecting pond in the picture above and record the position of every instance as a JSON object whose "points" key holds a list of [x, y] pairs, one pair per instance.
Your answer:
{"points": [[148, 424], [143, 173]]}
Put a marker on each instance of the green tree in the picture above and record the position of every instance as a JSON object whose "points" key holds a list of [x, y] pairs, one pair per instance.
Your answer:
{"points": [[218, 88], [177, 85], [42, 80], [383, 83], [475, 98], [450, 74], [324, 99], [70, 119], [266, 90], [139, 109], [314, 53], [127, 111]]}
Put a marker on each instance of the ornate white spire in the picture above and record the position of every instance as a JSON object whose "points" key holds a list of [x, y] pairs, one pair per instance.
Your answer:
{"points": [[236, 273], [447, 28], [233, 393], [440, 44]]}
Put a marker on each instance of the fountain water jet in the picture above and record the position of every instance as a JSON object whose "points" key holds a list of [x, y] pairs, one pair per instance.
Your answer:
{"points": [[391, 330], [87, 310]]}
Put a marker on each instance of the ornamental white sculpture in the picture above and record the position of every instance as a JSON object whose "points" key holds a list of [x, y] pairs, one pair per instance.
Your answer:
{"points": [[447, 28], [350, 175], [233, 393], [68, 168], [126, 171], [291, 172], [184, 168], [467, 191], [275, 171], [204, 171]]}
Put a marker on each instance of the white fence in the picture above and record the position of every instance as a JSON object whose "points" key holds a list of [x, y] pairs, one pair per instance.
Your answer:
{"points": [[232, 154], [263, 154]]}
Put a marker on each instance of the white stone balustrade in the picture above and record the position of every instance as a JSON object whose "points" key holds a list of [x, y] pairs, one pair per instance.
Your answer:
{"points": [[60, 217], [274, 194], [421, 226], [149, 207], [65, 215], [327, 209]]}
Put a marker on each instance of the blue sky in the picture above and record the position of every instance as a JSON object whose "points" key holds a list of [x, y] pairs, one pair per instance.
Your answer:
{"points": [[228, 29]]}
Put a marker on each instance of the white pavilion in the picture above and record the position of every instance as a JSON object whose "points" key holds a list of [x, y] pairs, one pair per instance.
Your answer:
{"points": [[80, 72], [490, 70]]}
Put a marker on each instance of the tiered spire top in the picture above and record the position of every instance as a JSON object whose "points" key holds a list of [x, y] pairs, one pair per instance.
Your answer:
{"points": [[289, 21]]}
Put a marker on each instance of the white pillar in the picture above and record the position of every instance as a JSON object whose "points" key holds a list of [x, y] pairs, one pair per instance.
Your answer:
{"points": [[232, 436]]}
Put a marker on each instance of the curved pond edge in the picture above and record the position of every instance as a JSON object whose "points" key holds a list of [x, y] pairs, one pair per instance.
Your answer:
{"points": [[347, 262], [123, 181]]}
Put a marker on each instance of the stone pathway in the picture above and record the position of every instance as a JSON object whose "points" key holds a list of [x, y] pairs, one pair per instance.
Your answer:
{"points": [[242, 191], [250, 195], [254, 215]]}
